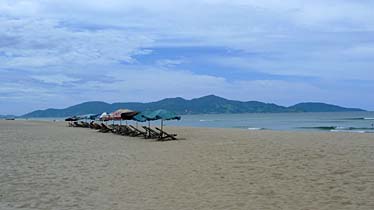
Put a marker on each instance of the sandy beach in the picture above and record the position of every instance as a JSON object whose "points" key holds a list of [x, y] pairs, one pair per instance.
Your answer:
{"points": [[46, 165]]}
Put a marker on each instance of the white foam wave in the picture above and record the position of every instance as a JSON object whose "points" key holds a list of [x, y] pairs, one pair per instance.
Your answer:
{"points": [[254, 129], [341, 128], [206, 120], [349, 131]]}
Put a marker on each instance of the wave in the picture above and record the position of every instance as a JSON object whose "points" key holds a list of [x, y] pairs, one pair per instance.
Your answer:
{"points": [[359, 118], [355, 128], [342, 129], [249, 128], [208, 120], [320, 127], [351, 131], [255, 129]]}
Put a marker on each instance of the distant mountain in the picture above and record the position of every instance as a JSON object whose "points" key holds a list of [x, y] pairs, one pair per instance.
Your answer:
{"points": [[210, 104], [321, 107]]}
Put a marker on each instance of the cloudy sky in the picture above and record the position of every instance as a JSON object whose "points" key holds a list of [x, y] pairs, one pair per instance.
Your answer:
{"points": [[59, 53]]}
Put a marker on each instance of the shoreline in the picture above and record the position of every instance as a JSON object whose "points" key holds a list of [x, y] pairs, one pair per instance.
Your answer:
{"points": [[318, 129]]}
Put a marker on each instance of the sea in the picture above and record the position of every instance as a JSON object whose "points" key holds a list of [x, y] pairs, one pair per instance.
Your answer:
{"points": [[360, 122], [357, 122]]}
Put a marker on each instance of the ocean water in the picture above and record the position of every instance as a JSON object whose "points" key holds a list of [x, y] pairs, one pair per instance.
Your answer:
{"points": [[360, 122]]}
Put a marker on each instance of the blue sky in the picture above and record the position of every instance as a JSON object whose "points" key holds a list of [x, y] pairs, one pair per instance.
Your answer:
{"points": [[60, 53]]}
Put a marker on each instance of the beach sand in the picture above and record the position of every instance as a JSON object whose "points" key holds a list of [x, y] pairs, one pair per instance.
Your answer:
{"points": [[46, 165]]}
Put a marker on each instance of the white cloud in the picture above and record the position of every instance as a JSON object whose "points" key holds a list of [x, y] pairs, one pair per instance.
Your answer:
{"points": [[53, 40], [169, 62], [150, 84], [332, 56], [44, 43], [58, 79], [362, 51], [19, 8]]}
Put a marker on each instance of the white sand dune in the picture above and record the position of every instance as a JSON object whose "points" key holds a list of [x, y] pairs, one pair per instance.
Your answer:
{"points": [[45, 165]]}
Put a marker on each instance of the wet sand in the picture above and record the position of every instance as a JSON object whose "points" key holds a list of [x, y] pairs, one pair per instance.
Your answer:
{"points": [[46, 165]]}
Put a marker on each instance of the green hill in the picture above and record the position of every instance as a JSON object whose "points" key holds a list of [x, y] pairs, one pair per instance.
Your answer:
{"points": [[210, 104], [321, 107]]}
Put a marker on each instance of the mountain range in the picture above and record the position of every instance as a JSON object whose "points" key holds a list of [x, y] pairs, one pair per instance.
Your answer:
{"points": [[210, 104]]}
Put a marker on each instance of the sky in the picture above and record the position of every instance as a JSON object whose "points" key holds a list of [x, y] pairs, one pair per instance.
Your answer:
{"points": [[60, 53]]}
